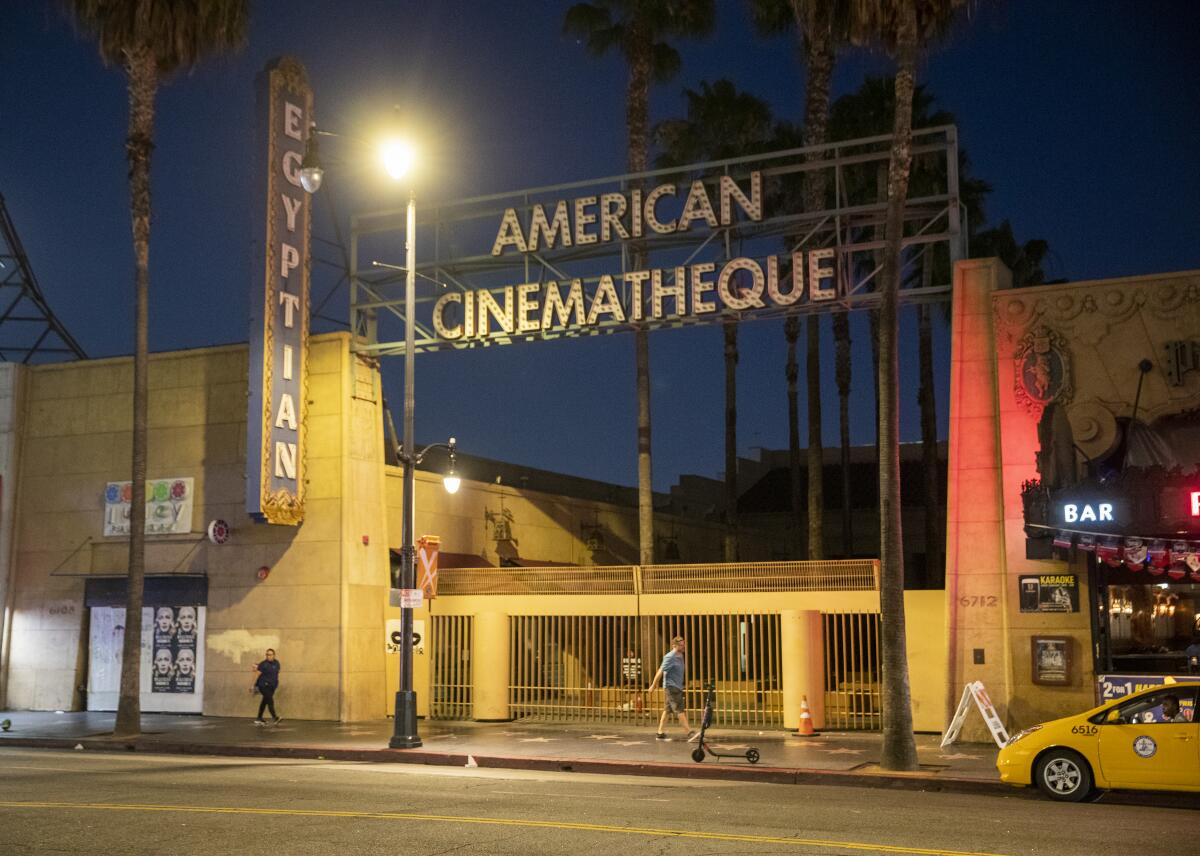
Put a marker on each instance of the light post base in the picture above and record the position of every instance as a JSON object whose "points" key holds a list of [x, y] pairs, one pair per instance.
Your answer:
{"points": [[404, 726]]}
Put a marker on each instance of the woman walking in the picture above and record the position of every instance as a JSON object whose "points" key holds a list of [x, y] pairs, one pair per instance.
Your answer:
{"points": [[266, 681]]}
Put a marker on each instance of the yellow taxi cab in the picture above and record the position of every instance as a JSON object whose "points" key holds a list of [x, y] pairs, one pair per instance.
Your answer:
{"points": [[1149, 740]]}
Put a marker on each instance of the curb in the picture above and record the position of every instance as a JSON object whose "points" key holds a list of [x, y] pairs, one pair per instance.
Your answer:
{"points": [[742, 773]]}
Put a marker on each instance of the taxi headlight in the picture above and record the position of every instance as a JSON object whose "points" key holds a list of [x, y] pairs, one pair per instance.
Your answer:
{"points": [[1022, 734]]}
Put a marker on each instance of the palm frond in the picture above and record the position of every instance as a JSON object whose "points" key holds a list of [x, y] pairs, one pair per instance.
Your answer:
{"points": [[665, 62], [179, 33], [594, 26]]}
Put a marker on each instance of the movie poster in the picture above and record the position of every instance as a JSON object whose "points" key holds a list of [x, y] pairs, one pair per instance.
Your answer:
{"points": [[173, 658]]}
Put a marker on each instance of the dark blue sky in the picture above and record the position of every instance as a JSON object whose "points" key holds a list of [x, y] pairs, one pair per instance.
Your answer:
{"points": [[1085, 116]]}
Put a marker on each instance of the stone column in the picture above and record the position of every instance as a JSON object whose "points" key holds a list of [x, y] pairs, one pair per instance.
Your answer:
{"points": [[976, 594], [803, 666], [12, 379], [489, 671]]}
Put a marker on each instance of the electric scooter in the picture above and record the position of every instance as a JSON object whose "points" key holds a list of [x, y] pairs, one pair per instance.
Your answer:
{"points": [[706, 718]]}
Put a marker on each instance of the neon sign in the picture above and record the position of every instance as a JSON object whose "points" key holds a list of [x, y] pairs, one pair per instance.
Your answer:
{"points": [[1080, 512]]}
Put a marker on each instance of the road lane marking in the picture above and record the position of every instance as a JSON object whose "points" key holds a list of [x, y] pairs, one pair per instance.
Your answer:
{"points": [[499, 821]]}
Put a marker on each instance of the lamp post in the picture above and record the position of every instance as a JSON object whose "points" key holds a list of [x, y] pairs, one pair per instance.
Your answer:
{"points": [[397, 159]]}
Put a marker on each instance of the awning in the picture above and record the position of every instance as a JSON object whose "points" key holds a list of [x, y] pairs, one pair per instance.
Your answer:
{"points": [[159, 590]]}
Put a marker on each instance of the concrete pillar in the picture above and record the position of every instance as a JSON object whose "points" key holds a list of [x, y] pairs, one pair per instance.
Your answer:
{"points": [[976, 594], [12, 388], [803, 660], [489, 671]]}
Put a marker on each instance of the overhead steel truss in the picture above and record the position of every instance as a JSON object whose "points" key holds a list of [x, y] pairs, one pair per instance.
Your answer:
{"points": [[852, 224], [29, 330]]}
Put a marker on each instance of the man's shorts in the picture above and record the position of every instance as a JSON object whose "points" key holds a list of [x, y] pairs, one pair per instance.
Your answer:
{"points": [[674, 700]]}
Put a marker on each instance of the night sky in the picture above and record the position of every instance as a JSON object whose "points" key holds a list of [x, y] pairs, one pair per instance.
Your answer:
{"points": [[1084, 116]]}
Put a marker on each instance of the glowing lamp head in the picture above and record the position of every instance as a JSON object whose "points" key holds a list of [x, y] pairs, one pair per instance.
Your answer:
{"points": [[311, 172], [450, 481], [310, 178], [398, 157]]}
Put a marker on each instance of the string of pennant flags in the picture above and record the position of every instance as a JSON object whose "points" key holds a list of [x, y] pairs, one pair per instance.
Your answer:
{"points": [[1157, 556]]}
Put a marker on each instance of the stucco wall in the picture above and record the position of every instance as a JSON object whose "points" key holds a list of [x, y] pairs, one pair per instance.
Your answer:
{"points": [[77, 437]]}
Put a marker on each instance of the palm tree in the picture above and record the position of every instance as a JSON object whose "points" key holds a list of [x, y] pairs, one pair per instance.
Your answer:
{"points": [[865, 113], [149, 40], [842, 365], [1024, 260], [721, 123], [638, 30], [730, 328], [903, 26], [822, 25]]}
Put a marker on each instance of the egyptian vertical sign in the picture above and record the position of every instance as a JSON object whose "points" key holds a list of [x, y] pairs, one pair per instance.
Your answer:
{"points": [[279, 304]]}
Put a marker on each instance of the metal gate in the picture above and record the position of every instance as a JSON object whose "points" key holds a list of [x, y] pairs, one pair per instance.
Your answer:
{"points": [[450, 663], [589, 668], [852, 660]]}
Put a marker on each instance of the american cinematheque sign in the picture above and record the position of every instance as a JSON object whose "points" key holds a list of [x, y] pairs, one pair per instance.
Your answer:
{"points": [[279, 305], [692, 290], [673, 247]]}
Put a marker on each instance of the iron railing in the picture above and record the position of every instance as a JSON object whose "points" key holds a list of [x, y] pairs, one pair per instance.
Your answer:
{"points": [[841, 575]]}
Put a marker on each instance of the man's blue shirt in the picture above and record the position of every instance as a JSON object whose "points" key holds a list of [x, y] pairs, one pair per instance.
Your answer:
{"points": [[672, 669]]}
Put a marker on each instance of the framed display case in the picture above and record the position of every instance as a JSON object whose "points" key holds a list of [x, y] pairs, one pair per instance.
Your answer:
{"points": [[1052, 661]]}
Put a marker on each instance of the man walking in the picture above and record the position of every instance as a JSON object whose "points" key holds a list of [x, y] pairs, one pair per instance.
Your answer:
{"points": [[671, 672], [266, 681]]}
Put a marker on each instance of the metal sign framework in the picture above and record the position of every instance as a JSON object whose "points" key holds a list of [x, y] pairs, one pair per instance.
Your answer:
{"points": [[852, 225], [30, 332]]}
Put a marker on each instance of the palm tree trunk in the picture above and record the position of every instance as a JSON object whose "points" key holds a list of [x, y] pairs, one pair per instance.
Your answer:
{"points": [[816, 457], [731, 492], [899, 750], [791, 331], [930, 470], [143, 85], [637, 122], [881, 195], [841, 336], [818, 57]]}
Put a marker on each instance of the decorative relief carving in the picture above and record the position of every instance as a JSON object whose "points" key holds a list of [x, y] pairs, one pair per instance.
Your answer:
{"points": [[1094, 427], [1042, 369], [1017, 311]]}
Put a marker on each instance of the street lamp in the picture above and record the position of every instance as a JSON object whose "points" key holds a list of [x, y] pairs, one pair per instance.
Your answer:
{"points": [[398, 158]]}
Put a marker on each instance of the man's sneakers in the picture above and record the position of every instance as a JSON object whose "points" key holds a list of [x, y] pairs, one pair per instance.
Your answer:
{"points": [[260, 722], [277, 720], [661, 736], [693, 736]]}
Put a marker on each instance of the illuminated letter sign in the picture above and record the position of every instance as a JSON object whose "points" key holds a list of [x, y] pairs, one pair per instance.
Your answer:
{"points": [[279, 306], [1196, 503], [1086, 513]]}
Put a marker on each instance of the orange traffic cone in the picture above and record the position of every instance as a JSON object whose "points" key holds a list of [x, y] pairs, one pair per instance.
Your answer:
{"points": [[806, 723]]}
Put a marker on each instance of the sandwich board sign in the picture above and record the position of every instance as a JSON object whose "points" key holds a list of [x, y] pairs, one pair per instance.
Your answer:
{"points": [[974, 691]]}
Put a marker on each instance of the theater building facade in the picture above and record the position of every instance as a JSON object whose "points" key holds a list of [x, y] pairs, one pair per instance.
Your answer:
{"points": [[1071, 570], [1073, 545]]}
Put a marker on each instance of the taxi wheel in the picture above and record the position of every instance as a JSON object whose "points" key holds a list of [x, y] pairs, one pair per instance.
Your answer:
{"points": [[1064, 775]]}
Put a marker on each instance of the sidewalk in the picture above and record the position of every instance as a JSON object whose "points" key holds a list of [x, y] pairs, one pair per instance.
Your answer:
{"points": [[846, 758]]}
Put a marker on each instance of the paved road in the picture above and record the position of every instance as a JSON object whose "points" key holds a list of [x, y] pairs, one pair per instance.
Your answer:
{"points": [[91, 802]]}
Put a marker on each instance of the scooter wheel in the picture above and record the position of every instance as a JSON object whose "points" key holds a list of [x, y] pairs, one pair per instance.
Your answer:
{"points": [[697, 754], [752, 756]]}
